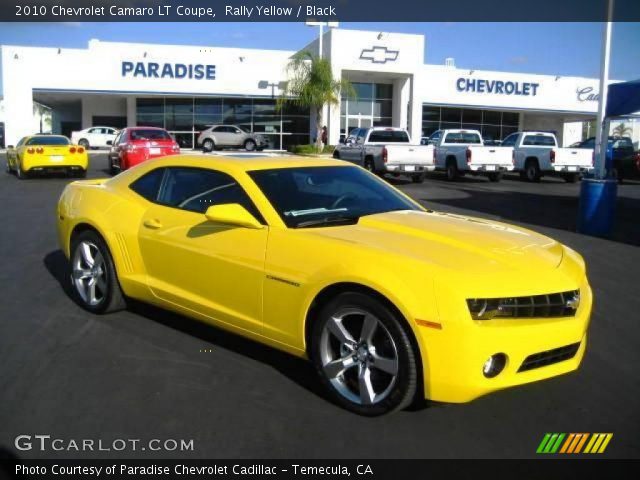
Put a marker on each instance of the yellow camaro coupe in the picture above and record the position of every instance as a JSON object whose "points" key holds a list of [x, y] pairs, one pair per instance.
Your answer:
{"points": [[324, 260], [45, 154]]}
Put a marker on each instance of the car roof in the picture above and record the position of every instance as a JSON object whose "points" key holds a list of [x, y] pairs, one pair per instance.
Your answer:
{"points": [[245, 164]]}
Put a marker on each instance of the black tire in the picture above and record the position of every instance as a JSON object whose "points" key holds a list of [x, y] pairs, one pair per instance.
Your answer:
{"points": [[401, 391], [113, 299], [113, 170], [19, 172], [532, 171], [250, 145], [208, 145], [495, 177], [571, 177], [336, 155], [452, 171], [83, 142], [369, 165], [8, 168], [418, 178]]}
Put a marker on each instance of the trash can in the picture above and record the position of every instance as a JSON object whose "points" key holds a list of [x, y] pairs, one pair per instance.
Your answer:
{"points": [[597, 206]]}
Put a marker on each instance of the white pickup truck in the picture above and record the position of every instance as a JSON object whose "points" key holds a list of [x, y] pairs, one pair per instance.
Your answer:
{"points": [[537, 154], [462, 151], [387, 150]]}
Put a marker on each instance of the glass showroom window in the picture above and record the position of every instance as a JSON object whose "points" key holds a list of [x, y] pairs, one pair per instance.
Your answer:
{"points": [[372, 106], [493, 124], [185, 118]]}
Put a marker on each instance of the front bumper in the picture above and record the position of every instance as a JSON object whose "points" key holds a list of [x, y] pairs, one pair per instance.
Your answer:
{"points": [[408, 168], [453, 357]]}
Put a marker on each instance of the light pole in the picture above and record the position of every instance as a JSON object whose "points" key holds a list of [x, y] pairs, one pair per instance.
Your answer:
{"points": [[598, 194]]}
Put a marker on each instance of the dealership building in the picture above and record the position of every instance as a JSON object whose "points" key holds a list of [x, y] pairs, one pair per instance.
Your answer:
{"points": [[184, 88]]}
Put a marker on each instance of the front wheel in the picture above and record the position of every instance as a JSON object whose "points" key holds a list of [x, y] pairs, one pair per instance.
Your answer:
{"points": [[364, 355], [93, 275]]}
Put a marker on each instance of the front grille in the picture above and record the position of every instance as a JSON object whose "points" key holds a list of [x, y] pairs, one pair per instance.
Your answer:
{"points": [[562, 304], [549, 357]]}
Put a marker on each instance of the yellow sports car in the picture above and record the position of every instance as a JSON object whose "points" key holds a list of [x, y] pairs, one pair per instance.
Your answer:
{"points": [[324, 260], [46, 153]]}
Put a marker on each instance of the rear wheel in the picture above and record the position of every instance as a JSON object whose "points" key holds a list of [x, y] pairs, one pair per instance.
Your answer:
{"points": [[532, 171], [19, 172], [208, 145], [93, 275], [83, 142], [250, 145], [368, 164], [364, 355], [452, 171]]}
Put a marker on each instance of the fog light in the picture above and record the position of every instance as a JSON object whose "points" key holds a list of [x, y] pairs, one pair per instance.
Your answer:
{"points": [[494, 365]]}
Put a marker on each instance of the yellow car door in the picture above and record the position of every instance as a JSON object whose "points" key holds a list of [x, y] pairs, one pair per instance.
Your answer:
{"points": [[214, 269]]}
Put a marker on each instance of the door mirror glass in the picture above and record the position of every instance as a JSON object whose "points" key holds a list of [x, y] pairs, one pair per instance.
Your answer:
{"points": [[232, 214], [109, 142], [350, 141], [10, 146]]}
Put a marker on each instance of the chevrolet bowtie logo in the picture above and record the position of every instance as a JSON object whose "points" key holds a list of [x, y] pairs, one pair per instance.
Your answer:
{"points": [[379, 55]]}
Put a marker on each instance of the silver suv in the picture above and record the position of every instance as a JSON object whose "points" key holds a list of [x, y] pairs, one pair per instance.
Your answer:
{"points": [[225, 136]]}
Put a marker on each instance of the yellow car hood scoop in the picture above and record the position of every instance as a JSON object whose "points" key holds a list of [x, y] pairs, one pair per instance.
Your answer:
{"points": [[452, 240]]}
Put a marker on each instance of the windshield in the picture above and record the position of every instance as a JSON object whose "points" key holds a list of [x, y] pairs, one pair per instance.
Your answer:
{"points": [[48, 140], [322, 196], [389, 136]]}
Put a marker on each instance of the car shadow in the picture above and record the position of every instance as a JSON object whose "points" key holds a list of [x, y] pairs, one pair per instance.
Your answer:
{"points": [[296, 369]]}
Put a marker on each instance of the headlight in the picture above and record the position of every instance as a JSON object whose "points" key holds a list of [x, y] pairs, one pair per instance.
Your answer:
{"points": [[563, 304]]}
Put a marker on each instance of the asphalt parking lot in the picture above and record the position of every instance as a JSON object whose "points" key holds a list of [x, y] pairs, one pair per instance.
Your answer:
{"points": [[147, 374]]}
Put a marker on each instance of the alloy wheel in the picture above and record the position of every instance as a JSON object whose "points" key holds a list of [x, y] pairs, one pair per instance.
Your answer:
{"points": [[89, 273], [362, 366], [250, 145]]}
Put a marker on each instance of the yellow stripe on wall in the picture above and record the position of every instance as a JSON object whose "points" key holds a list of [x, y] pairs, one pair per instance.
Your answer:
{"points": [[608, 438]]}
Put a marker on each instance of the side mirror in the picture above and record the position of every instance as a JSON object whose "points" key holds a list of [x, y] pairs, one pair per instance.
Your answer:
{"points": [[232, 214], [10, 146], [109, 142]]}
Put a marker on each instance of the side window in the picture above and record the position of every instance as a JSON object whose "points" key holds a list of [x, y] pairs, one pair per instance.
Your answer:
{"points": [[361, 134], [197, 189], [22, 140], [117, 139], [122, 138], [219, 129], [435, 137], [147, 186], [510, 141], [530, 140]]}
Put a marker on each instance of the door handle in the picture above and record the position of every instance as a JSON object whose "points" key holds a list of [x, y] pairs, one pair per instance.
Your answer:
{"points": [[152, 223]]}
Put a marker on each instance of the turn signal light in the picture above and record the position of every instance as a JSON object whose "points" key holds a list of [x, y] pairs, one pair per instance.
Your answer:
{"points": [[552, 156], [468, 153], [176, 147], [30, 150], [39, 150], [385, 154], [72, 150], [513, 157], [80, 150]]}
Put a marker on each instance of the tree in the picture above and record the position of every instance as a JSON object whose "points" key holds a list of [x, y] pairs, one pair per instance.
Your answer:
{"points": [[311, 84], [622, 130]]}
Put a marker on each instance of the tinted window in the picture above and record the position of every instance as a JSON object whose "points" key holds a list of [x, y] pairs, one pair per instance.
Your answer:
{"points": [[305, 194], [197, 189], [510, 141], [622, 143], [149, 134], [539, 140], [48, 140], [147, 185], [389, 136], [463, 137]]}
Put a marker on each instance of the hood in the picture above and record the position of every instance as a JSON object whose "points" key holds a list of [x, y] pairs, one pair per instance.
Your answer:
{"points": [[451, 241]]}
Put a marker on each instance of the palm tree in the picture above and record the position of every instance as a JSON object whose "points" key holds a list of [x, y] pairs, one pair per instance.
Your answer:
{"points": [[311, 84], [621, 130]]}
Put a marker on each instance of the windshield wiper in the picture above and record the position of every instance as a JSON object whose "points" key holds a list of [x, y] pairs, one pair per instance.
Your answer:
{"points": [[339, 220]]}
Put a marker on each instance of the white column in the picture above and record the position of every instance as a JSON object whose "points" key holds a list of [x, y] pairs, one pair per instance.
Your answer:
{"points": [[131, 111], [18, 97], [602, 126]]}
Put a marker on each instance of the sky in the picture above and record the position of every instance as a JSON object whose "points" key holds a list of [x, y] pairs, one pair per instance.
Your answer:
{"points": [[545, 48]]}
